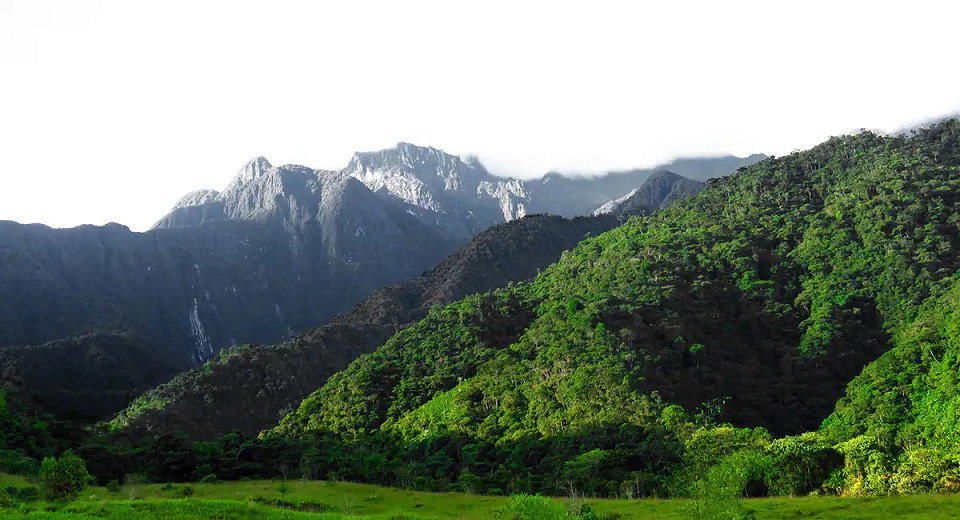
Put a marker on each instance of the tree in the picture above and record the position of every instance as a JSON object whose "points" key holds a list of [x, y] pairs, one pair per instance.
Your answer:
{"points": [[64, 478]]}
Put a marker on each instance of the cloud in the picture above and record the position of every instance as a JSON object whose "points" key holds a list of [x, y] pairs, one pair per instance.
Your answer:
{"points": [[119, 108]]}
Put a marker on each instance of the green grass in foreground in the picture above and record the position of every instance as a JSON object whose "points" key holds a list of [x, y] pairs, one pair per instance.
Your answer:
{"points": [[236, 500]]}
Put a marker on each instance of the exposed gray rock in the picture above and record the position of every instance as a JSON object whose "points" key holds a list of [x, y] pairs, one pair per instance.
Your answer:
{"points": [[457, 197], [279, 252], [196, 198], [660, 189]]}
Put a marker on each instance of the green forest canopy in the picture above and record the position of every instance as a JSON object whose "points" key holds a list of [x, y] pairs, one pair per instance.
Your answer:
{"points": [[755, 303]]}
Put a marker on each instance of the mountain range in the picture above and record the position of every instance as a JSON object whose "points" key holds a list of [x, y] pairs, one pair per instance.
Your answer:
{"points": [[458, 197], [278, 252], [791, 329]]}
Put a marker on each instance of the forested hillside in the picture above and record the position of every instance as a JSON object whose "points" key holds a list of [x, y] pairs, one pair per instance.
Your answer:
{"points": [[251, 387], [89, 376], [753, 303], [26, 434]]}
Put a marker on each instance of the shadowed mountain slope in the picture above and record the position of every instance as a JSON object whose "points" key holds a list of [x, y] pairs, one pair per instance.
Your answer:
{"points": [[251, 387]]}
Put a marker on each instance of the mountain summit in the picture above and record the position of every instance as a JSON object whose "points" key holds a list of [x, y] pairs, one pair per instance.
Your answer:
{"points": [[660, 190], [456, 197]]}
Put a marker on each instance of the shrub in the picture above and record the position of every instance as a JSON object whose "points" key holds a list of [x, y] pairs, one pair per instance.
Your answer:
{"points": [[17, 463], [12, 495], [132, 480], [64, 478], [532, 507], [209, 479], [468, 482], [924, 470], [866, 467], [585, 512], [22, 493], [801, 463], [717, 495], [113, 486]]}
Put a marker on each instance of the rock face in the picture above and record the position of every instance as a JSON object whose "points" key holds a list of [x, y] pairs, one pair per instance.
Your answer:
{"points": [[251, 388], [659, 190], [457, 197], [278, 252], [471, 199]]}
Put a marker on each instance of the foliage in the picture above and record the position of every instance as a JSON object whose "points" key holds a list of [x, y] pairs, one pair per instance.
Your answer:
{"points": [[65, 477], [753, 304], [25, 434], [717, 494], [801, 464], [532, 507], [12, 494]]}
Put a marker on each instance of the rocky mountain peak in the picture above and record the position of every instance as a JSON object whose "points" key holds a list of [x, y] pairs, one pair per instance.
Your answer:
{"points": [[454, 195], [661, 188], [664, 176], [196, 198], [422, 176], [430, 166], [254, 168], [254, 171]]}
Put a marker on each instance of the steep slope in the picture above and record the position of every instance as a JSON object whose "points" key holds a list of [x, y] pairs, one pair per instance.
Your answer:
{"points": [[448, 191], [249, 388], [193, 291], [757, 299], [94, 375], [658, 191], [278, 252]]}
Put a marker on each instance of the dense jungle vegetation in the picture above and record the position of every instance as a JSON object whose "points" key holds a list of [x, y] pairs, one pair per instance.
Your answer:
{"points": [[751, 306], [791, 329]]}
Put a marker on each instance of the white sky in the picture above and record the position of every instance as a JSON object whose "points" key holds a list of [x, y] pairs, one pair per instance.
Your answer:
{"points": [[111, 110]]}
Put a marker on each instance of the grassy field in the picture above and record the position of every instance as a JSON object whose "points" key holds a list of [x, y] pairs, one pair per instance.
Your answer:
{"points": [[336, 500]]}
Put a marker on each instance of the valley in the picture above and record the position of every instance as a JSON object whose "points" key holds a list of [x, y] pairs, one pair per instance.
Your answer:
{"points": [[784, 331], [430, 260]]}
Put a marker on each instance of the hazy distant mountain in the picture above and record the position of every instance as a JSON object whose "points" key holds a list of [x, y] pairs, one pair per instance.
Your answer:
{"points": [[659, 190], [906, 130]]}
